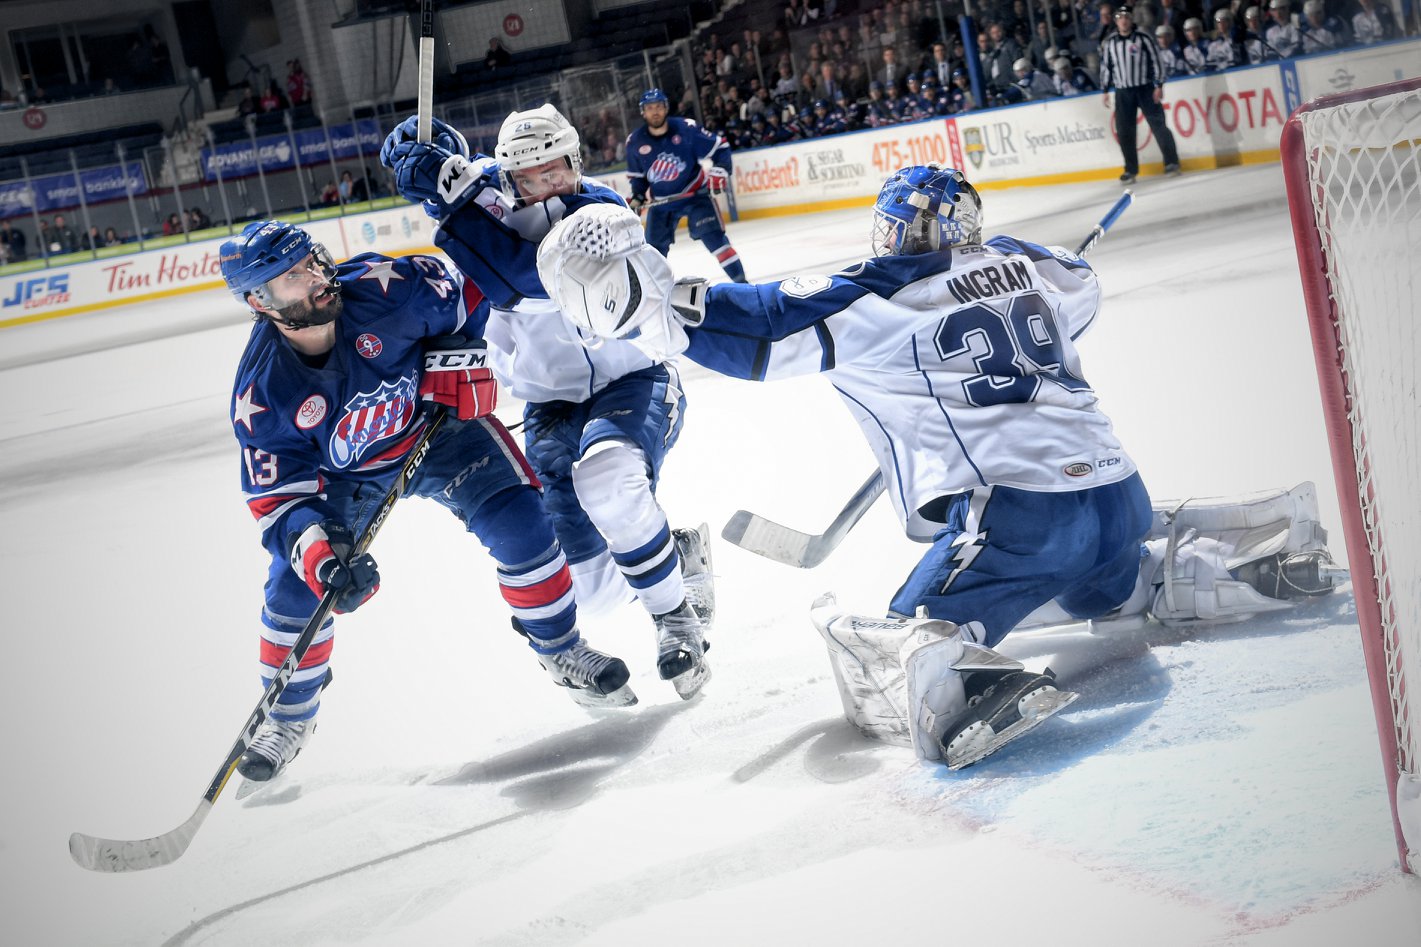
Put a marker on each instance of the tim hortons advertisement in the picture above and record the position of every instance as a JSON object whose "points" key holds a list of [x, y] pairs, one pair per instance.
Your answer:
{"points": [[152, 274]]}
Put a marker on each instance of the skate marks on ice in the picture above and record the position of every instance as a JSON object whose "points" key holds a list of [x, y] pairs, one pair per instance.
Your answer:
{"points": [[200, 926]]}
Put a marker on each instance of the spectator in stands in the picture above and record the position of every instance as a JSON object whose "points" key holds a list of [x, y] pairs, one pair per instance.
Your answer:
{"points": [[111, 237], [1281, 34], [139, 60], [197, 220], [891, 70], [941, 65], [248, 105], [273, 99], [298, 88], [91, 240], [796, 14], [856, 82], [828, 86], [12, 242], [63, 239], [1223, 51], [330, 194], [1041, 42], [1002, 54], [497, 57], [43, 238], [158, 53], [1373, 23], [1317, 37], [1063, 19], [172, 226]]}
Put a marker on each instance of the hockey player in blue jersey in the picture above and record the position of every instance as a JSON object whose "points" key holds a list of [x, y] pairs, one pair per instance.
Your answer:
{"points": [[676, 168], [331, 393], [600, 421], [957, 359]]}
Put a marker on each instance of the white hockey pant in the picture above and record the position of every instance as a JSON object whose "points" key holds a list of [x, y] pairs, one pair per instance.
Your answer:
{"points": [[613, 485], [901, 679], [1193, 545]]}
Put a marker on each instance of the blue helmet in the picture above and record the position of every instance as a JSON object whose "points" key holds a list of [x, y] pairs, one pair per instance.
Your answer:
{"points": [[652, 97], [264, 250], [925, 208]]}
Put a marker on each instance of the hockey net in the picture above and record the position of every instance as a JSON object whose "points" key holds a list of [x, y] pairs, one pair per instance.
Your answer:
{"points": [[1353, 168]]}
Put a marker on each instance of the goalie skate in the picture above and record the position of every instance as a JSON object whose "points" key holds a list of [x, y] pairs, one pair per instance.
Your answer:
{"points": [[681, 650], [693, 546], [593, 680], [1007, 707]]}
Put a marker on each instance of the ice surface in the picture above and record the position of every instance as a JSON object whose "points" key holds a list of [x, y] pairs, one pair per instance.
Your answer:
{"points": [[1220, 787]]}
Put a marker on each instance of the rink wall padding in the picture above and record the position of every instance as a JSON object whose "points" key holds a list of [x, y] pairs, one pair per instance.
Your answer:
{"points": [[1219, 120]]}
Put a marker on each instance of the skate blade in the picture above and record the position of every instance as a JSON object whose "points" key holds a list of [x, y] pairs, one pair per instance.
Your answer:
{"points": [[689, 683], [979, 741], [623, 696], [250, 787]]}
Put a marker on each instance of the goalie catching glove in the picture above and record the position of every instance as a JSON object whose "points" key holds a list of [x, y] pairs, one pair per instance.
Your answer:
{"points": [[456, 376], [610, 284], [321, 556]]}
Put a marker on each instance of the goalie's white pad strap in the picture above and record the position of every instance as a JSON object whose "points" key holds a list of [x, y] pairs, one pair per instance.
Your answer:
{"points": [[1252, 525]]}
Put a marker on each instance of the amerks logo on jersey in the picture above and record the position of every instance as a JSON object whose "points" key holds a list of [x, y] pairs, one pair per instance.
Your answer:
{"points": [[370, 418], [666, 167]]}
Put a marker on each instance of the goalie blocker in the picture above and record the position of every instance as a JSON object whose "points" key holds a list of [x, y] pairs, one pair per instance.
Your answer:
{"points": [[923, 682]]}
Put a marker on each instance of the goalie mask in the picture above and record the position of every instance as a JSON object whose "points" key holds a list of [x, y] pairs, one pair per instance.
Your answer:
{"points": [[539, 155], [285, 271], [925, 208]]}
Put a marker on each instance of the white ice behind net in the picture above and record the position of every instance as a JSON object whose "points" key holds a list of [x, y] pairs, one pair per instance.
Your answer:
{"points": [[1364, 165]]}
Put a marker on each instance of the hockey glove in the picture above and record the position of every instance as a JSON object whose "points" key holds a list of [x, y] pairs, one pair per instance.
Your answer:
{"points": [[713, 177], [635, 204], [438, 174], [322, 557], [456, 376]]}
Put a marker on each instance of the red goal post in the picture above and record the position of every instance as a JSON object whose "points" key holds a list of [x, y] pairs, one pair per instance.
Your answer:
{"points": [[1352, 164]]}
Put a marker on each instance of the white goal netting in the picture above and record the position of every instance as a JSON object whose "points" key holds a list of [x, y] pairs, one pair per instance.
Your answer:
{"points": [[1363, 164]]}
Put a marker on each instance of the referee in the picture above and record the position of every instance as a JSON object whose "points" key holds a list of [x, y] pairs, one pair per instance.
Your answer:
{"points": [[1130, 64]]}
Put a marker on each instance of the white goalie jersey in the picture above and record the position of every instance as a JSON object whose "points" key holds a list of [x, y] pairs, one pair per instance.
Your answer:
{"points": [[960, 366]]}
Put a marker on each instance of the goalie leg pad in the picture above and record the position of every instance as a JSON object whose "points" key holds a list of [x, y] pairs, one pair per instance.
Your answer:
{"points": [[1250, 526], [867, 670]]}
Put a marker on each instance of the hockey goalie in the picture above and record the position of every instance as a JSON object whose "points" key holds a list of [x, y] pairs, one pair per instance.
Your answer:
{"points": [[956, 356]]}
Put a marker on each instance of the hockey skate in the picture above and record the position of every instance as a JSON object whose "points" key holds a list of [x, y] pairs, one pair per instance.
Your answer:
{"points": [[1000, 708], [275, 745], [681, 647], [1287, 576], [693, 546], [593, 680]]}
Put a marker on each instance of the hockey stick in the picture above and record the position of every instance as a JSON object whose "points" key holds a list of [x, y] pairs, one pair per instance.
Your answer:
{"points": [[115, 855], [767, 538], [424, 128], [1106, 222]]}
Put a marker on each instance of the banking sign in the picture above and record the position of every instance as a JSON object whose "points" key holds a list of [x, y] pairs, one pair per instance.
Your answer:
{"points": [[53, 192], [275, 152]]}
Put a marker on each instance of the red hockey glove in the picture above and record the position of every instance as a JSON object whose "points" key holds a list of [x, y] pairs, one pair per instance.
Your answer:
{"points": [[457, 378], [716, 180], [321, 556]]}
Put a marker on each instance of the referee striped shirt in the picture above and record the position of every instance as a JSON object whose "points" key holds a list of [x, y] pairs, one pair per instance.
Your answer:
{"points": [[1129, 61]]}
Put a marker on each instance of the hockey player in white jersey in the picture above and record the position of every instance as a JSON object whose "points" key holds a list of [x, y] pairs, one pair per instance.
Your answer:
{"points": [[598, 424], [957, 358]]}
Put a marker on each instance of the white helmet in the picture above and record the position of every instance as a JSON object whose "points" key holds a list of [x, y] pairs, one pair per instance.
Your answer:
{"points": [[532, 138]]}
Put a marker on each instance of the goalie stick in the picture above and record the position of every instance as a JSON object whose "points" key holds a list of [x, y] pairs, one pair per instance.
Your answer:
{"points": [[764, 537], [117, 855]]}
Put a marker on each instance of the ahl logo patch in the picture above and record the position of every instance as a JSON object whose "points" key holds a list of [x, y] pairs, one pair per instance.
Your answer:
{"points": [[1077, 470], [311, 412], [369, 345]]}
